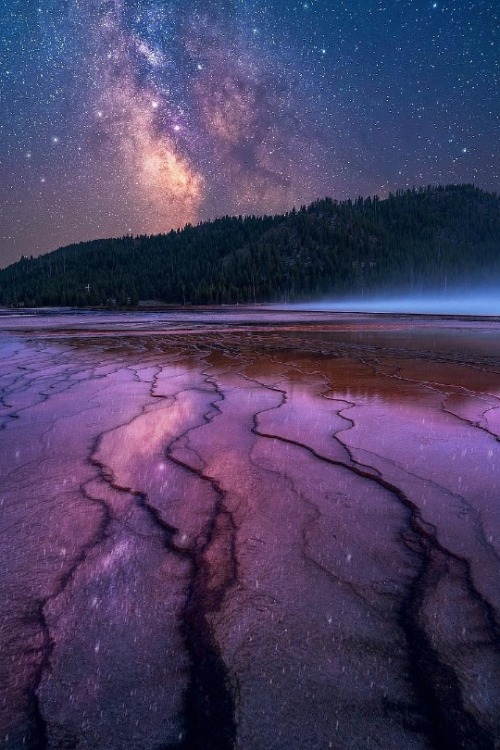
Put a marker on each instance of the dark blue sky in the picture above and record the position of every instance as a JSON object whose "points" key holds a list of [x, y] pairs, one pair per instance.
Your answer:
{"points": [[138, 115]]}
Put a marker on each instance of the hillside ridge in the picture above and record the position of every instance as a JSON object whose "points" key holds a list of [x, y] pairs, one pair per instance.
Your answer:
{"points": [[431, 237]]}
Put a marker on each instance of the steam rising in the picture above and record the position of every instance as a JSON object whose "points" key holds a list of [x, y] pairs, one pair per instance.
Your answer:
{"points": [[471, 302]]}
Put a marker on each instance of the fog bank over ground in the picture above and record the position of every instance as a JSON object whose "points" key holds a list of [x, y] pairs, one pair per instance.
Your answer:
{"points": [[460, 302]]}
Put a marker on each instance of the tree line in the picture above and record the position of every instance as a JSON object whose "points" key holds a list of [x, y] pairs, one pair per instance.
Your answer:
{"points": [[412, 240]]}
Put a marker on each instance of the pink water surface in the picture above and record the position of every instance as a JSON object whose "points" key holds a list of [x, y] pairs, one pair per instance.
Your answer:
{"points": [[249, 529]]}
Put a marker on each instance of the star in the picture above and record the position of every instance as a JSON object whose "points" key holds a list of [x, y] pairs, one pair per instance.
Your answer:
{"points": [[175, 112]]}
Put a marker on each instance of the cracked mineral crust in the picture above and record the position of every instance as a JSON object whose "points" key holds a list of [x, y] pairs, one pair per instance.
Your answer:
{"points": [[254, 530]]}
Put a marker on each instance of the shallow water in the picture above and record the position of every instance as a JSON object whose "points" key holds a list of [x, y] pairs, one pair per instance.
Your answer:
{"points": [[249, 528]]}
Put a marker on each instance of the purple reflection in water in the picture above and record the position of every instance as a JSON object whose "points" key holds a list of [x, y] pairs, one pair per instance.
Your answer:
{"points": [[247, 530]]}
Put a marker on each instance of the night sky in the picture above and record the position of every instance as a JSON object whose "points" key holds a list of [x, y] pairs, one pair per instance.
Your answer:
{"points": [[136, 116]]}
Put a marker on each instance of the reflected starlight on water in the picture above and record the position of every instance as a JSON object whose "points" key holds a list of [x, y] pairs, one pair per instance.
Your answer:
{"points": [[257, 529]]}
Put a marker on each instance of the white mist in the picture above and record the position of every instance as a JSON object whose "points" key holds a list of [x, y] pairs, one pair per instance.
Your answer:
{"points": [[471, 302]]}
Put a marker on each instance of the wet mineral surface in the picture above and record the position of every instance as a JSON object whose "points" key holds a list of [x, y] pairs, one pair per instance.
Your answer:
{"points": [[249, 529]]}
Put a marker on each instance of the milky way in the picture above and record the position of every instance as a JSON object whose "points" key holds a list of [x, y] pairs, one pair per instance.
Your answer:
{"points": [[138, 116]]}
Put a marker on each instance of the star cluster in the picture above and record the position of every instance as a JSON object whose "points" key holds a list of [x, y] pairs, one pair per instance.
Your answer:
{"points": [[138, 116]]}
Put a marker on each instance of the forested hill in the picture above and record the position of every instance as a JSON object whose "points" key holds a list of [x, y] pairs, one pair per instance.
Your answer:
{"points": [[426, 238]]}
